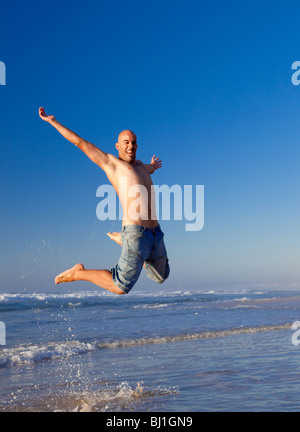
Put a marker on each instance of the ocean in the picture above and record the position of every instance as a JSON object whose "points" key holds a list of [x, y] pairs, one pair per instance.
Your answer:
{"points": [[160, 351]]}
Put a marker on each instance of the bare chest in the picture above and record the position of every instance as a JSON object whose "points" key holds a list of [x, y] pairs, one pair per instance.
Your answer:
{"points": [[132, 175]]}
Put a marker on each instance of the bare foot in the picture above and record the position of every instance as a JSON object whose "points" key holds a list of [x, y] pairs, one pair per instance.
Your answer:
{"points": [[69, 275], [116, 236]]}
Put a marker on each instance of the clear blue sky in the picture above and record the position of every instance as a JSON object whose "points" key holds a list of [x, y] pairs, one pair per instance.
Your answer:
{"points": [[205, 85]]}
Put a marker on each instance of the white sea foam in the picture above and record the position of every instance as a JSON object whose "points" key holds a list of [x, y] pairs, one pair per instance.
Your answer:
{"points": [[81, 295], [27, 354], [153, 306], [50, 296]]}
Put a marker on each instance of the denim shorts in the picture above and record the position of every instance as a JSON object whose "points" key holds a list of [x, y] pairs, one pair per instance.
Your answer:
{"points": [[141, 245]]}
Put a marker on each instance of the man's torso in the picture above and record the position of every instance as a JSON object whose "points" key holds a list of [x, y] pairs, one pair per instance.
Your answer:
{"points": [[134, 187]]}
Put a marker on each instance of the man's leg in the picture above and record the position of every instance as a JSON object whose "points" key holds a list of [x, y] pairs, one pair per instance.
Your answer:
{"points": [[101, 278], [117, 237], [157, 267]]}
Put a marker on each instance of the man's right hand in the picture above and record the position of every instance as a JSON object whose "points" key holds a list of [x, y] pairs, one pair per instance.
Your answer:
{"points": [[47, 118]]}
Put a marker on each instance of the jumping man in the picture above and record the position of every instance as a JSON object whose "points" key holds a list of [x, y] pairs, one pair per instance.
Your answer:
{"points": [[141, 238]]}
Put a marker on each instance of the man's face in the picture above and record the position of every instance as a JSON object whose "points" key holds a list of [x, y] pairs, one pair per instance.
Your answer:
{"points": [[127, 146]]}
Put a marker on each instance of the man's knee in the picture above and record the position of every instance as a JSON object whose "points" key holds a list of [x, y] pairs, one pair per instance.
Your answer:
{"points": [[120, 292], [123, 283]]}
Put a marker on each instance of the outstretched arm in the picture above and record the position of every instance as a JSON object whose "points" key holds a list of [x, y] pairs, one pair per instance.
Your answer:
{"points": [[154, 165], [94, 153]]}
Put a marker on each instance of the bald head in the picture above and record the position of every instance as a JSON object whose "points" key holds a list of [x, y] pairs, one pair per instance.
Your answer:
{"points": [[124, 133]]}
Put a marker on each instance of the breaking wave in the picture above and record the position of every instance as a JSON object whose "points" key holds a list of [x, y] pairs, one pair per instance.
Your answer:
{"points": [[34, 353]]}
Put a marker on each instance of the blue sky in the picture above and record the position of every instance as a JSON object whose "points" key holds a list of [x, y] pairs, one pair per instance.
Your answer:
{"points": [[207, 87]]}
